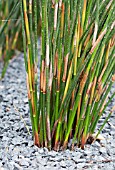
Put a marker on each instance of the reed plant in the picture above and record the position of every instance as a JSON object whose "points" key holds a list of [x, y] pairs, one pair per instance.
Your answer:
{"points": [[10, 30], [77, 68]]}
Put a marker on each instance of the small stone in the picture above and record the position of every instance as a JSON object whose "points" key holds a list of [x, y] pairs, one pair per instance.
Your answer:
{"points": [[81, 160], [63, 164], [5, 138], [71, 167], [103, 142], [54, 164], [69, 163], [95, 167], [80, 166], [1, 87], [16, 141], [15, 101], [45, 150], [41, 167], [30, 143], [99, 158], [52, 153], [26, 100], [43, 162], [41, 150], [15, 157], [87, 152], [97, 144], [23, 162], [59, 158], [103, 150], [76, 154]]}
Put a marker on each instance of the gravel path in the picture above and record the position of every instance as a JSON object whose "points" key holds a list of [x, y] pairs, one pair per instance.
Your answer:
{"points": [[17, 151]]}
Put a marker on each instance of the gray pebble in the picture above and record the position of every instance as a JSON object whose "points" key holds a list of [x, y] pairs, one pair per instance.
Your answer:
{"points": [[102, 150], [23, 162], [63, 164]]}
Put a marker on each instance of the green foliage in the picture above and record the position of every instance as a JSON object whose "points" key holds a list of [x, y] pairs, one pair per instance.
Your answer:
{"points": [[10, 28], [76, 68]]}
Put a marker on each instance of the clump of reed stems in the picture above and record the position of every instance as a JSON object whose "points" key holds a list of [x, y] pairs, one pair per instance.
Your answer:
{"points": [[77, 68], [10, 30]]}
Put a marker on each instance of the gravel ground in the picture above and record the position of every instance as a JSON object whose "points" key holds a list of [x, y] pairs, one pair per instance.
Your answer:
{"points": [[17, 151]]}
